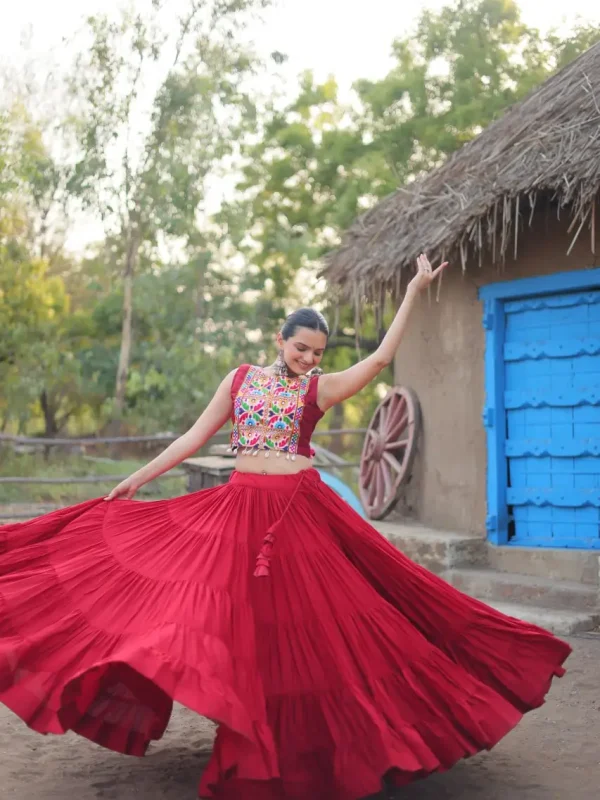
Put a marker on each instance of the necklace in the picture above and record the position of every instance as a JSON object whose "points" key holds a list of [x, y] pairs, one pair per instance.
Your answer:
{"points": [[281, 369]]}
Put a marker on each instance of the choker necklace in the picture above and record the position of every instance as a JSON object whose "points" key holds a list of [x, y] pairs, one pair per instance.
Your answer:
{"points": [[281, 369]]}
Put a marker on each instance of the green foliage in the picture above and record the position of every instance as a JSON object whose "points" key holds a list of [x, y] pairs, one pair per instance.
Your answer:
{"points": [[209, 293], [149, 185], [43, 349], [152, 176], [7, 181], [463, 67], [297, 187], [319, 163], [61, 465], [181, 355], [31, 305]]}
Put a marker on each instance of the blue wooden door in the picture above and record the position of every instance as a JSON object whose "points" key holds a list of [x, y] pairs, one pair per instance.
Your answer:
{"points": [[552, 407]]}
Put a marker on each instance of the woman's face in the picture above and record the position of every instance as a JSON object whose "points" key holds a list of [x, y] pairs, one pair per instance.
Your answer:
{"points": [[303, 350]]}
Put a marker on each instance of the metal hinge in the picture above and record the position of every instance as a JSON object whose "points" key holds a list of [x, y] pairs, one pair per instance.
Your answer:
{"points": [[488, 316], [491, 523], [488, 417]]}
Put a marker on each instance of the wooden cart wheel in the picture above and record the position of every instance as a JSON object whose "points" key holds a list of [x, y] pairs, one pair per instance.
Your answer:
{"points": [[389, 451]]}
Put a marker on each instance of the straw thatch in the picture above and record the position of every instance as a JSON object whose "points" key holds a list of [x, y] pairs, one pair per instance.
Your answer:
{"points": [[479, 202]]}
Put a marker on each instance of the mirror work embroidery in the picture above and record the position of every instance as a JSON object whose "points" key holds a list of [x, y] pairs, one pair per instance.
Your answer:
{"points": [[268, 412]]}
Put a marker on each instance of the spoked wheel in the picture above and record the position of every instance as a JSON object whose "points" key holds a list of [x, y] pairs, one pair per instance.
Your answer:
{"points": [[389, 451]]}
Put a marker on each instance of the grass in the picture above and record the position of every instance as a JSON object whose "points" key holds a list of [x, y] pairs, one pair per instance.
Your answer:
{"points": [[73, 466], [61, 464]]}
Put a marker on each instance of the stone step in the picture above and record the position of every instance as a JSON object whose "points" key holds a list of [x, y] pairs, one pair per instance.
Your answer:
{"points": [[436, 550], [561, 623], [489, 585], [581, 566]]}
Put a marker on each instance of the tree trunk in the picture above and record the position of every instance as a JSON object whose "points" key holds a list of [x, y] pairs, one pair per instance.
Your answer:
{"points": [[49, 412], [200, 295], [126, 332], [50, 425], [366, 345]]}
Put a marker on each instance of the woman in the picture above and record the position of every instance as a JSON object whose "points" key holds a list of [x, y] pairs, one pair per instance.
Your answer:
{"points": [[331, 662]]}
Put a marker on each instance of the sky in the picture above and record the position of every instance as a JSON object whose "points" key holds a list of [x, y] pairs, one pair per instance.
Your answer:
{"points": [[350, 39]]}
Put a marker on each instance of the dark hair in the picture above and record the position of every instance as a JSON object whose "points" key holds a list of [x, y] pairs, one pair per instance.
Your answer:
{"points": [[304, 318]]}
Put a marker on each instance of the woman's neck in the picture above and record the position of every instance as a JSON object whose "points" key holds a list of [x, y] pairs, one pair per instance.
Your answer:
{"points": [[273, 372]]}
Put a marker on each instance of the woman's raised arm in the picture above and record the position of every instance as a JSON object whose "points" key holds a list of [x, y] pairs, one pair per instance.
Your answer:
{"points": [[338, 386]]}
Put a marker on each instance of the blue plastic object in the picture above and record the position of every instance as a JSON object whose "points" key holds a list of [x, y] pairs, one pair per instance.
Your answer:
{"points": [[344, 491]]}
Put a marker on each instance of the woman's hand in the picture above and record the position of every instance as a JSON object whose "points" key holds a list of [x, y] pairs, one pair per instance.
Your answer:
{"points": [[425, 274], [335, 387], [126, 489]]}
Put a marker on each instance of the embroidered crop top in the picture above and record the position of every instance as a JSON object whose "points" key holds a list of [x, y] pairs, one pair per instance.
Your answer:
{"points": [[273, 413]]}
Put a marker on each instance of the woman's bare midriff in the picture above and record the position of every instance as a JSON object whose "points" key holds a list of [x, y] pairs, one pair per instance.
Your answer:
{"points": [[259, 465]]}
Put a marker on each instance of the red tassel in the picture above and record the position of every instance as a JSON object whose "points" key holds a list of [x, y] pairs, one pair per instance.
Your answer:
{"points": [[263, 561], [264, 557]]}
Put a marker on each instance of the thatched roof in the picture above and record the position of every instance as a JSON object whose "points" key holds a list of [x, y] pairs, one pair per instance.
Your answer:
{"points": [[548, 145]]}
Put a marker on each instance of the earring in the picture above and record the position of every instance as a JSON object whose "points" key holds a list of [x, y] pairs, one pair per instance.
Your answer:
{"points": [[280, 367]]}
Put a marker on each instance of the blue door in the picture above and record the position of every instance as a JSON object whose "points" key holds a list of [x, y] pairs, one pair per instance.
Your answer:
{"points": [[551, 382]]}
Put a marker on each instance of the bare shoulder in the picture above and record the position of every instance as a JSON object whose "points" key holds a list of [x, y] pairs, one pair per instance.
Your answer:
{"points": [[323, 379], [324, 390], [228, 379], [226, 385]]}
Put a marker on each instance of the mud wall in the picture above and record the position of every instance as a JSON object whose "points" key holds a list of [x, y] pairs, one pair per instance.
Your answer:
{"points": [[442, 359]]}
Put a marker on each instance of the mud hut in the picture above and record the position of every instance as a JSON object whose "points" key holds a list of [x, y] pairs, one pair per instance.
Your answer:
{"points": [[505, 355]]}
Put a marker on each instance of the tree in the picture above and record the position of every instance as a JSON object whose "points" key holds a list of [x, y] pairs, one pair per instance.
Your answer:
{"points": [[149, 185], [6, 176], [301, 184], [318, 163], [39, 354], [177, 358], [154, 117], [31, 303], [462, 67]]}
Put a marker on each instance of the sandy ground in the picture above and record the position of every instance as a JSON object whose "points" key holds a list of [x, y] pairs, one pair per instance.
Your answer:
{"points": [[553, 755]]}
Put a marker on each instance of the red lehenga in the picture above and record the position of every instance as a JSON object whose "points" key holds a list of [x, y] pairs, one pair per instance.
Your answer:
{"points": [[327, 657]]}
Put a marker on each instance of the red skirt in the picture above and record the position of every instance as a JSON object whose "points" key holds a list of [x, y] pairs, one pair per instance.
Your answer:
{"points": [[327, 657]]}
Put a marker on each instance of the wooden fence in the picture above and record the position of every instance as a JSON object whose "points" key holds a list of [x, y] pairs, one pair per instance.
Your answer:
{"points": [[324, 456]]}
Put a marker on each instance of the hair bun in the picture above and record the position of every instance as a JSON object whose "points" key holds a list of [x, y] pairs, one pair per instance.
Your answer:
{"points": [[304, 318]]}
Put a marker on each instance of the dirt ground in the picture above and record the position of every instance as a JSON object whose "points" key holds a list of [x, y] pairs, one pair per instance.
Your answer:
{"points": [[553, 755]]}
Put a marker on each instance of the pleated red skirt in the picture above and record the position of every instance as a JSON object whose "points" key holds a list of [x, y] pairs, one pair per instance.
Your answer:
{"points": [[341, 662]]}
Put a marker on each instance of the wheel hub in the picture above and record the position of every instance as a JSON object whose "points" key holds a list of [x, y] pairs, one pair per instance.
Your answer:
{"points": [[388, 451], [378, 447]]}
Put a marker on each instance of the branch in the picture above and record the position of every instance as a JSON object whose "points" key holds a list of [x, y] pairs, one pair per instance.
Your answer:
{"points": [[185, 26], [60, 423], [370, 345], [129, 101], [158, 132]]}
